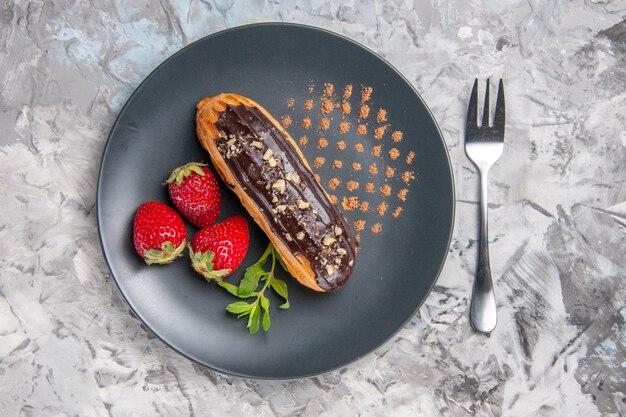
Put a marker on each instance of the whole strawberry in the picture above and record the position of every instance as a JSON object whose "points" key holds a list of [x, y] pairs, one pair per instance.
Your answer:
{"points": [[195, 193], [158, 233], [218, 249]]}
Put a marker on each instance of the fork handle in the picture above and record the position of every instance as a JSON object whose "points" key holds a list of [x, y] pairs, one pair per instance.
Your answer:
{"points": [[483, 316]]}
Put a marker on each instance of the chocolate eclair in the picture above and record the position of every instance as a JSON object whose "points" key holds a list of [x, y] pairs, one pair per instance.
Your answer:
{"points": [[261, 163]]}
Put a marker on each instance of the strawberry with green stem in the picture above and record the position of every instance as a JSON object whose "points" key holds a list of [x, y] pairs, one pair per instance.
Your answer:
{"points": [[248, 289], [218, 249], [195, 192], [159, 234]]}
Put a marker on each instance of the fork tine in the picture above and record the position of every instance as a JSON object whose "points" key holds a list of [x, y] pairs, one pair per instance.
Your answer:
{"points": [[486, 107], [500, 118], [472, 109]]}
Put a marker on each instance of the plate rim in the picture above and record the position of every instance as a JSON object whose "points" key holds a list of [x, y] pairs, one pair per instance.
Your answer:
{"points": [[142, 85]]}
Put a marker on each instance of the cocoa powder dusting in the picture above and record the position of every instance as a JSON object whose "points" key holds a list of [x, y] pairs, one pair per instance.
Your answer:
{"points": [[308, 105], [322, 143], [346, 108], [369, 187], [356, 166], [394, 153], [364, 111], [327, 106], [402, 194], [379, 132], [337, 164], [407, 176], [376, 150], [332, 198], [319, 161], [352, 185], [390, 172], [409, 157], [381, 116], [396, 136], [361, 130], [359, 225], [364, 206], [317, 177], [286, 121], [385, 190], [341, 145], [303, 140], [359, 147], [377, 228], [366, 93], [398, 211], [324, 124], [333, 183], [306, 123], [344, 127], [311, 88], [350, 203], [373, 169], [290, 103], [382, 208], [347, 91], [329, 89]]}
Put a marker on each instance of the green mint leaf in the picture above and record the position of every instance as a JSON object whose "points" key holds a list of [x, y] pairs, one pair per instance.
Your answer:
{"points": [[233, 289], [280, 259], [254, 318], [239, 307], [280, 287], [265, 302], [266, 320], [250, 280]]}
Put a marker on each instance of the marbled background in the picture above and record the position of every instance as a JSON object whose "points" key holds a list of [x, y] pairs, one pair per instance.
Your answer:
{"points": [[69, 344]]}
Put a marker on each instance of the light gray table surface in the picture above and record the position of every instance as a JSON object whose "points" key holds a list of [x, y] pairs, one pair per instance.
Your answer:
{"points": [[69, 345]]}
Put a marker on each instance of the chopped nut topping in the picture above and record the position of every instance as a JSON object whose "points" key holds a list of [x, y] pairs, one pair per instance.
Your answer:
{"points": [[231, 141], [330, 269], [295, 178], [303, 204], [272, 162], [337, 260], [288, 237], [338, 230], [300, 235], [351, 263], [342, 251], [279, 185], [256, 144], [327, 240], [281, 207], [268, 154], [274, 199], [267, 186]]}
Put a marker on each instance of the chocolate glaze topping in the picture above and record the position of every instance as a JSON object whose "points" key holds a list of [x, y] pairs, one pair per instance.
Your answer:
{"points": [[271, 172]]}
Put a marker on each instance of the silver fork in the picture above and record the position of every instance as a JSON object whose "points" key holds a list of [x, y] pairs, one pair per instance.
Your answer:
{"points": [[483, 146]]}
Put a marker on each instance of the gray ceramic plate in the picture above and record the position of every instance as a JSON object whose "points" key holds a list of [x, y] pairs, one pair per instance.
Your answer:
{"points": [[395, 269]]}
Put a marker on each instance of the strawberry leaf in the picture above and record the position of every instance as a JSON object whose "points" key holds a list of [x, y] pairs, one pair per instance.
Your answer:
{"points": [[165, 255], [203, 263], [184, 171]]}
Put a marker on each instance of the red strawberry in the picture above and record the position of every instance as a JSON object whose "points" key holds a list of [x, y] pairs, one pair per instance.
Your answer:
{"points": [[158, 233], [218, 249], [195, 193]]}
